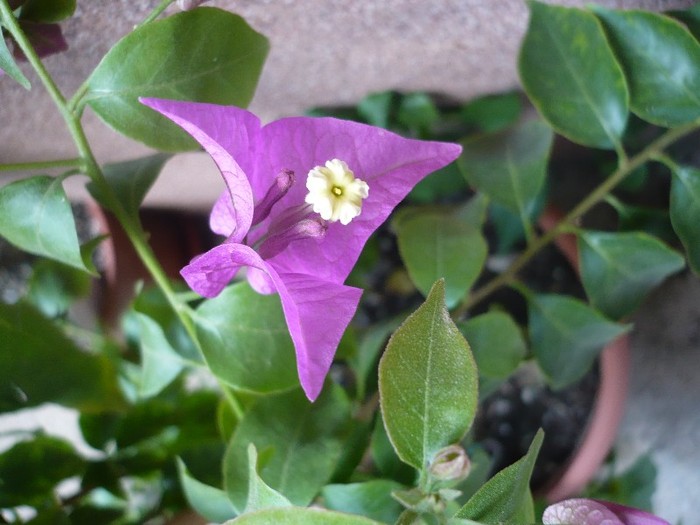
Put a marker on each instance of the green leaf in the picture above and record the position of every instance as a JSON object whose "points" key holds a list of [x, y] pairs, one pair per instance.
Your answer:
{"points": [[30, 470], [385, 458], [364, 361], [35, 216], [572, 77], [9, 66], [203, 55], [245, 340], [53, 287], [375, 109], [209, 502], [260, 495], [160, 364], [492, 113], [130, 181], [300, 516], [436, 246], [497, 343], [690, 17], [28, 343], [510, 167], [566, 335], [685, 211], [47, 11], [371, 499], [427, 383], [303, 442], [503, 498], [619, 269], [417, 112], [661, 61]]}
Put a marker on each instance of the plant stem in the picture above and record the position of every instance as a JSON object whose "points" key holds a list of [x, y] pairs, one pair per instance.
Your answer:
{"points": [[626, 167], [44, 165], [156, 12]]}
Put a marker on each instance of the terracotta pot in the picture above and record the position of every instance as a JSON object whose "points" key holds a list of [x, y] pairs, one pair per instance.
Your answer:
{"points": [[599, 435]]}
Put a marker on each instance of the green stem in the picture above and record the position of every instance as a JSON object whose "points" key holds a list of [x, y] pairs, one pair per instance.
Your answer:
{"points": [[156, 12], [44, 165], [627, 166]]}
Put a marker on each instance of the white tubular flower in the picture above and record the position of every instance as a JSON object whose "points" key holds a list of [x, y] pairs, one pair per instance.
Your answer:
{"points": [[335, 193]]}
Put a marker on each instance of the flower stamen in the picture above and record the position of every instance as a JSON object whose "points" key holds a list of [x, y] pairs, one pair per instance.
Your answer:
{"points": [[335, 193]]}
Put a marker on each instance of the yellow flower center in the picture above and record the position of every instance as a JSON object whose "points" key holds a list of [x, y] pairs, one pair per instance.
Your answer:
{"points": [[334, 192]]}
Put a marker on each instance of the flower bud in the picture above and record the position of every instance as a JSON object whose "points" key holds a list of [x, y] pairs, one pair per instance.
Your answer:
{"points": [[450, 463]]}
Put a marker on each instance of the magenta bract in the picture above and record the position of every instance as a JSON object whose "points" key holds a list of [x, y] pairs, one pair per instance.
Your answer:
{"points": [[271, 231]]}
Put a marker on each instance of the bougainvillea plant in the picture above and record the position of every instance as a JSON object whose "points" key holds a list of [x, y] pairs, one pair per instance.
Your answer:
{"points": [[278, 378]]}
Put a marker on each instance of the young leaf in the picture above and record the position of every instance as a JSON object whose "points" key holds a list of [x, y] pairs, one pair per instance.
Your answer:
{"points": [[685, 211], [47, 11], [245, 340], [299, 516], [130, 181], [427, 383], [30, 470], [661, 61], [436, 246], [260, 495], [496, 342], [371, 499], [619, 269], [209, 502], [566, 335], [28, 342], [204, 55], [35, 216], [503, 498], [302, 441], [510, 167], [9, 66], [572, 77], [160, 364], [53, 287]]}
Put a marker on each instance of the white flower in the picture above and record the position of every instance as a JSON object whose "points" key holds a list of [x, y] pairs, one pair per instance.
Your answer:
{"points": [[334, 192]]}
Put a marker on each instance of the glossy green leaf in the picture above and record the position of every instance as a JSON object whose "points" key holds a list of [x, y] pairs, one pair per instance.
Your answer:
{"points": [[504, 497], [30, 470], [35, 216], [245, 340], [427, 383], [417, 112], [209, 502], [497, 343], [47, 11], [28, 343], [130, 181], [260, 495], [53, 287], [492, 113], [9, 66], [203, 55], [572, 77], [436, 246], [566, 335], [661, 61], [371, 499], [510, 167], [619, 269], [685, 211], [160, 364], [301, 441], [690, 17], [300, 516], [375, 109]]}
